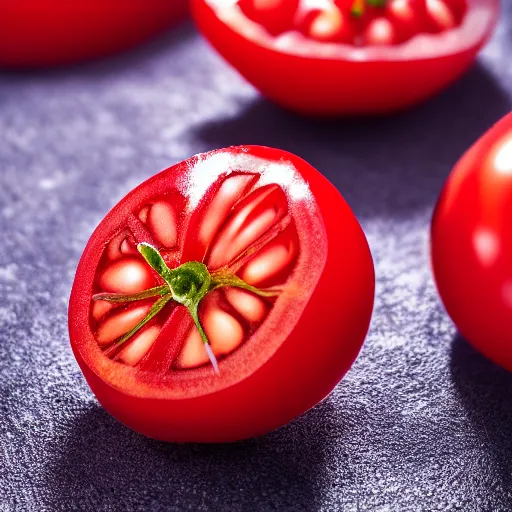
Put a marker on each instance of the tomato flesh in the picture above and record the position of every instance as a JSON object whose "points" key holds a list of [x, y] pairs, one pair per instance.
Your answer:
{"points": [[275, 15], [356, 22], [407, 18], [330, 24], [254, 213], [331, 63], [260, 214], [471, 244], [439, 15]]}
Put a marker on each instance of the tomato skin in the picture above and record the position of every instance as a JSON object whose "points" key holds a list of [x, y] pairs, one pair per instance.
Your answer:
{"points": [[310, 362], [471, 244], [348, 80], [56, 32]]}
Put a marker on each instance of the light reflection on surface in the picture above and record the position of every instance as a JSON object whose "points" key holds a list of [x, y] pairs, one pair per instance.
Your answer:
{"points": [[503, 158], [486, 245]]}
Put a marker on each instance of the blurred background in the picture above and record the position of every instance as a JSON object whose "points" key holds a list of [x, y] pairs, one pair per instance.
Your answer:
{"points": [[420, 422]]}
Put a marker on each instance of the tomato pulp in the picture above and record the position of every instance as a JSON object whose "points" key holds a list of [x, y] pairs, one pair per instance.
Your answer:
{"points": [[328, 58], [472, 244], [290, 286], [51, 32]]}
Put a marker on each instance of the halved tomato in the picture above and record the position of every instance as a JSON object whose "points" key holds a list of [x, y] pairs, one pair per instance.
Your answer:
{"points": [[347, 56], [222, 298], [37, 33]]}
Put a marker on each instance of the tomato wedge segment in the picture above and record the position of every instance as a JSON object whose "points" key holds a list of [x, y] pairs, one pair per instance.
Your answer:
{"points": [[387, 68], [285, 283]]}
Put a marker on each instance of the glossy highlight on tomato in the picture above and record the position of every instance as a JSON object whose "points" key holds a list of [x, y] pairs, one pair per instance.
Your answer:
{"points": [[36, 33], [266, 252], [471, 243], [347, 57]]}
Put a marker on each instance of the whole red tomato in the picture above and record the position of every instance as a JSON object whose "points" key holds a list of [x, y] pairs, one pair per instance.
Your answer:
{"points": [[472, 244], [222, 298], [347, 56], [49, 32]]}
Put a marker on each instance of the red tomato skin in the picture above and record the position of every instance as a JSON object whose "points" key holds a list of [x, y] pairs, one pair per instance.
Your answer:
{"points": [[55, 32], [471, 246], [337, 86], [306, 367]]}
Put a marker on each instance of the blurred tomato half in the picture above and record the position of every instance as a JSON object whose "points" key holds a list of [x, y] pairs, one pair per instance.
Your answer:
{"points": [[37, 33]]}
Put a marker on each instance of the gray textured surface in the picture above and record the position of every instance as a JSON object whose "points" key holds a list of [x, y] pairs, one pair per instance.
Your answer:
{"points": [[421, 422]]}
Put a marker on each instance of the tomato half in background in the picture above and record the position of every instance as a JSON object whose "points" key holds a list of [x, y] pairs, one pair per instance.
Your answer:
{"points": [[289, 285], [472, 244], [347, 57], [35, 33]]}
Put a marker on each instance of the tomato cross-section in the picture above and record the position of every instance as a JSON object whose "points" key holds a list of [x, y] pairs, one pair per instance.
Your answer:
{"points": [[222, 298], [344, 57]]}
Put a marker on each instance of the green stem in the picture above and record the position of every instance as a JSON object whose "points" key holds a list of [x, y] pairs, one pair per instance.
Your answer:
{"points": [[224, 278], [211, 356], [187, 285], [155, 309], [359, 6], [124, 297]]}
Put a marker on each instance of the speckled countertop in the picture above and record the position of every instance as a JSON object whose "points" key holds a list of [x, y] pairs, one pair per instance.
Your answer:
{"points": [[420, 423]]}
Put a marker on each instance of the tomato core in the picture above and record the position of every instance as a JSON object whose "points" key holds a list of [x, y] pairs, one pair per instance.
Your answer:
{"points": [[227, 276]]}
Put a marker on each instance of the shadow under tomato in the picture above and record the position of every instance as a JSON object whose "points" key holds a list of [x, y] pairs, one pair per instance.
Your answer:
{"points": [[104, 463], [485, 390], [384, 166]]}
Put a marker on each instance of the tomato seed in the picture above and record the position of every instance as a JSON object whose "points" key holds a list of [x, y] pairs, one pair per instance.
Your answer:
{"points": [[100, 308], [250, 306], [237, 237], [224, 333], [228, 194], [139, 346], [272, 260], [120, 323], [128, 275], [162, 222]]}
